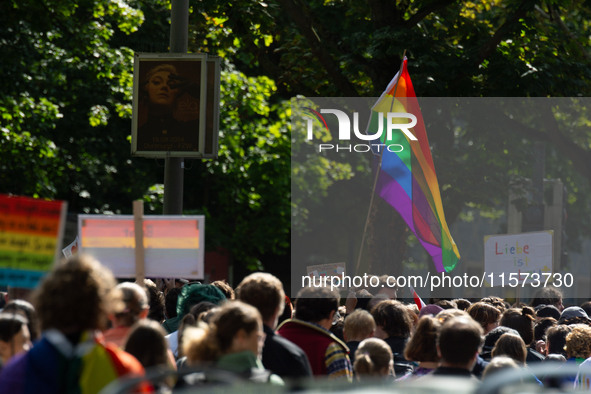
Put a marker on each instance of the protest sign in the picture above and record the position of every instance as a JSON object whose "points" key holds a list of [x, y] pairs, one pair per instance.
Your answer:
{"points": [[335, 269], [31, 231], [515, 258], [174, 245]]}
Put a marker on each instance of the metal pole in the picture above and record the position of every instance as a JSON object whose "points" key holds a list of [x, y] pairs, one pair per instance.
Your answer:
{"points": [[174, 166]]}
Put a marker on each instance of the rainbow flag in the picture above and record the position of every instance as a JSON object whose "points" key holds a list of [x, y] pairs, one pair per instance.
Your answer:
{"points": [[407, 178]]}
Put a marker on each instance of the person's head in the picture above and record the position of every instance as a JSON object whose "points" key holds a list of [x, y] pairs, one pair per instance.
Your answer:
{"points": [[490, 340], [521, 319], [236, 327], [392, 320], [574, 315], [458, 342], [422, 346], [462, 304], [578, 342], [486, 315], [556, 339], [359, 325], [448, 314], [548, 296], [542, 326], [586, 306], [264, 292], [145, 341], [543, 311], [77, 295], [27, 310], [170, 301], [363, 298], [194, 294], [191, 319], [160, 88], [14, 335], [136, 305], [225, 288], [497, 302], [446, 304], [155, 300], [499, 363], [373, 358], [317, 305], [430, 310], [511, 345], [376, 300], [387, 286]]}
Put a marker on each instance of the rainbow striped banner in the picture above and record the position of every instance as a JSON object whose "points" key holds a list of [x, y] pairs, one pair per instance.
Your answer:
{"points": [[173, 244], [31, 232], [407, 179]]}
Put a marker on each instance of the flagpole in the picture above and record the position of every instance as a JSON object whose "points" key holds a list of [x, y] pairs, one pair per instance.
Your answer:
{"points": [[375, 181]]}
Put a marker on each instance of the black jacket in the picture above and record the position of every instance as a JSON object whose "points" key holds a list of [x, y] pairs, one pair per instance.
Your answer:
{"points": [[401, 365], [284, 358]]}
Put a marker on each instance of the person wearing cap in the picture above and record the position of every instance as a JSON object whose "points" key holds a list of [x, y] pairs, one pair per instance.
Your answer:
{"points": [[192, 294], [430, 310], [574, 315], [543, 311]]}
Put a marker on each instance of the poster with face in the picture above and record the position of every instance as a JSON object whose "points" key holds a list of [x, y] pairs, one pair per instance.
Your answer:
{"points": [[176, 103]]}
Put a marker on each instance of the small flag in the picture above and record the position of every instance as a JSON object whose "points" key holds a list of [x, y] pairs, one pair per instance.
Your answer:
{"points": [[71, 249], [416, 297]]}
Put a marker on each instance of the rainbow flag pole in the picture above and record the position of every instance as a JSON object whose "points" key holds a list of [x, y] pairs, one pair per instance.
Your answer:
{"points": [[407, 179]]}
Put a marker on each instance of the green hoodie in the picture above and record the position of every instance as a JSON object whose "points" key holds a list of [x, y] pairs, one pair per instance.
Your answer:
{"points": [[243, 362]]}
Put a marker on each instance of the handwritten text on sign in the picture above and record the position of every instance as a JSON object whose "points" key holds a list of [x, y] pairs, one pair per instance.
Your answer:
{"points": [[519, 254]]}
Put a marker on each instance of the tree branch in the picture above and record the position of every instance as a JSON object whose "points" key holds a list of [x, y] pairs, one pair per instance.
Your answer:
{"points": [[569, 34], [426, 10], [319, 46], [505, 28]]}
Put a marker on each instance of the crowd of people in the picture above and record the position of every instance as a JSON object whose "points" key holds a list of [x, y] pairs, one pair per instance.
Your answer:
{"points": [[81, 330]]}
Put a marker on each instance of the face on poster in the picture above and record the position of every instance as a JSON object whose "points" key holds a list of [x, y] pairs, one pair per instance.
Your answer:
{"points": [[169, 105]]}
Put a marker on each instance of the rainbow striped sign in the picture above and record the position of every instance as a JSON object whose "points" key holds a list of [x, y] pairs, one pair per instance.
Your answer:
{"points": [[173, 244], [31, 232]]}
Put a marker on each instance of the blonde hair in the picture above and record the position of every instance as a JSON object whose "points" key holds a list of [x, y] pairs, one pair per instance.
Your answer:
{"points": [[499, 363], [360, 323], [371, 357], [206, 343], [578, 342]]}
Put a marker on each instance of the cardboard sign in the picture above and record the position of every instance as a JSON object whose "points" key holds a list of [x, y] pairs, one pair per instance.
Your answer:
{"points": [[71, 249], [174, 245], [336, 269], [517, 256], [31, 231]]}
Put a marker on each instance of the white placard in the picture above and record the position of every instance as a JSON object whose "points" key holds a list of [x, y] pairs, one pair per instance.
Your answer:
{"points": [[517, 256]]}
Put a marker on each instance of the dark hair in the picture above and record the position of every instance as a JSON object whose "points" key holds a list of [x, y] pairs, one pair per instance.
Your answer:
{"points": [[170, 301], [27, 310], [2, 299], [556, 339], [77, 295], [484, 314], [316, 303], [393, 318], [264, 292], [190, 320], [146, 342], [522, 320], [156, 300], [136, 301], [421, 346], [490, 340], [459, 340], [511, 345], [586, 306], [363, 299], [543, 310], [10, 325], [462, 304], [497, 302], [546, 296], [446, 304], [225, 288], [542, 326]]}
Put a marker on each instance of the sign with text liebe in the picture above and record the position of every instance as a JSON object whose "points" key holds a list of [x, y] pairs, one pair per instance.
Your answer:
{"points": [[518, 258]]}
